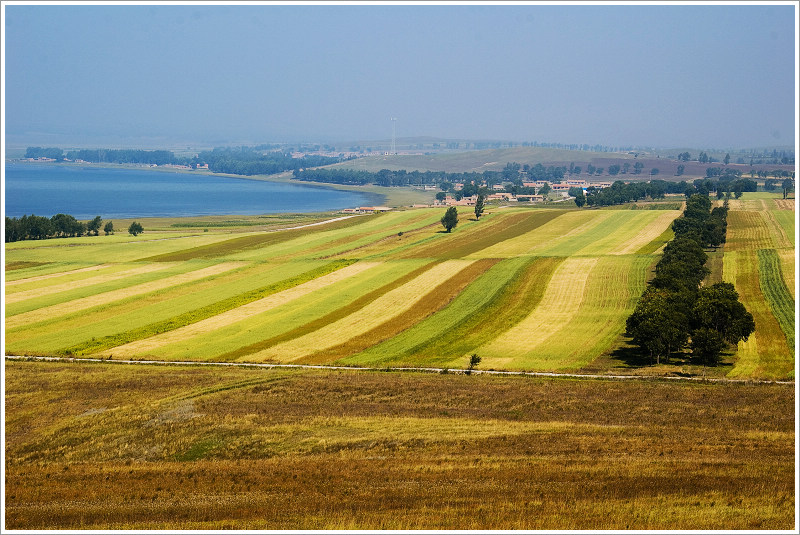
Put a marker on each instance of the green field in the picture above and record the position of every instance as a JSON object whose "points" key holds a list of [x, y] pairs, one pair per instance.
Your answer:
{"points": [[525, 288]]}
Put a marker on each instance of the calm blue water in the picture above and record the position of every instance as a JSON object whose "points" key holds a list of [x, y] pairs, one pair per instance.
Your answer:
{"points": [[85, 192]]}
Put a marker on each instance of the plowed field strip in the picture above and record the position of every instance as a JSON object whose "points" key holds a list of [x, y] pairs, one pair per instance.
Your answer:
{"points": [[778, 297], [99, 279], [203, 312], [480, 238], [76, 305], [501, 297], [327, 319], [54, 275], [428, 305], [144, 346], [560, 303], [765, 353], [254, 241], [388, 306]]}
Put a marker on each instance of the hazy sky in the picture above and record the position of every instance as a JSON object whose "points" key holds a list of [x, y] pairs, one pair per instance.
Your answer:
{"points": [[690, 75]]}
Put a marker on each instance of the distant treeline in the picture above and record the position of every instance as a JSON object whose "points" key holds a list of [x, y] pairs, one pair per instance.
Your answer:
{"points": [[385, 177], [247, 161], [236, 161], [157, 157], [33, 227]]}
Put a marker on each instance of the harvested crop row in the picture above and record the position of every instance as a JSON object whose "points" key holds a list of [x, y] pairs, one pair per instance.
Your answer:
{"points": [[785, 220], [147, 345], [561, 301], [253, 241], [765, 353], [319, 240], [778, 297], [204, 312], [653, 229], [382, 309], [311, 313], [501, 297], [561, 226], [610, 294], [471, 243], [788, 258], [53, 333], [54, 275], [76, 305], [428, 305], [24, 295], [748, 231]]}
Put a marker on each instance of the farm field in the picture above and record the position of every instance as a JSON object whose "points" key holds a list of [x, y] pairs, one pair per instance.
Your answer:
{"points": [[115, 446], [759, 260], [526, 288]]}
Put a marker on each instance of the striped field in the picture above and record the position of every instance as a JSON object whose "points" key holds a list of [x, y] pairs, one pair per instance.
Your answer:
{"points": [[525, 288]]}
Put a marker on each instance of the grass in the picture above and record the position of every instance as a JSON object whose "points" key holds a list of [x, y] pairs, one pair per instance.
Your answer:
{"points": [[385, 308], [777, 295], [765, 353], [202, 313], [105, 446], [505, 294], [240, 292]]}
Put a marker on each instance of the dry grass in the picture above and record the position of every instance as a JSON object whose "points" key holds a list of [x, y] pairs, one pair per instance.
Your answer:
{"points": [[104, 446]]}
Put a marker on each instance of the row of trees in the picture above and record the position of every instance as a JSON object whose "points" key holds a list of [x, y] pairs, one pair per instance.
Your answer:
{"points": [[157, 157], [33, 227], [674, 311], [249, 161], [388, 178]]}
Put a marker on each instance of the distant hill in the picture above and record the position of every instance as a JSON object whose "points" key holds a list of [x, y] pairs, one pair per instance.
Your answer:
{"points": [[482, 160]]}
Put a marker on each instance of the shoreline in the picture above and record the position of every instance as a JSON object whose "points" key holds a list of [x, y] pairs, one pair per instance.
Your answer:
{"points": [[375, 198]]}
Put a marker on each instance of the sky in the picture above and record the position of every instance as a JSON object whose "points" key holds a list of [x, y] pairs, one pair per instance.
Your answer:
{"points": [[618, 75]]}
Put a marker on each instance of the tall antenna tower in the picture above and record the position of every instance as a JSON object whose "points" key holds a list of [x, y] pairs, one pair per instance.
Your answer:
{"points": [[393, 150]]}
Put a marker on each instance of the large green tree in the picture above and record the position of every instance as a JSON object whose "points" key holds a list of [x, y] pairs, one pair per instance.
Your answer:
{"points": [[657, 325], [135, 228], [94, 225], [480, 205], [450, 219]]}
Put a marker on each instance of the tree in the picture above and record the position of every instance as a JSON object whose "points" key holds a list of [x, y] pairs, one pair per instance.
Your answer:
{"points": [[94, 225], [109, 228], [727, 159], [788, 186], [450, 219], [656, 326], [545, 189], [479, 206], [681, 169], [440, 196], [474, 360], [707, 345], [718, 308], [135, 228], [614, 169], [580, 199]]}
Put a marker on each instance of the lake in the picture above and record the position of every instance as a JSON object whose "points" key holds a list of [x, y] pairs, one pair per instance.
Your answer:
{"points": [[86, 191]]}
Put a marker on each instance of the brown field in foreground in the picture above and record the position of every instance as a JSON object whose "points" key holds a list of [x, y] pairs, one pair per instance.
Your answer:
{"points": [[112, 446]]}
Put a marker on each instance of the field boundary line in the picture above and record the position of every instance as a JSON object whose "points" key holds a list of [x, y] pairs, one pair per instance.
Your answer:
{"points": [[401, 369]]}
